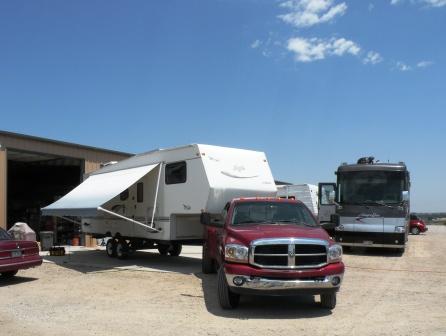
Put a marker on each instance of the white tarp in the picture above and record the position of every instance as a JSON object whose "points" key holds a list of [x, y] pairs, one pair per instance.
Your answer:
{"points": [[96, 190], [21, 231]]}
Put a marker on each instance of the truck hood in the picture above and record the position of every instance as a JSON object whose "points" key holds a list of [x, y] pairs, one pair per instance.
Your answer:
{"points": [[246, 234]]}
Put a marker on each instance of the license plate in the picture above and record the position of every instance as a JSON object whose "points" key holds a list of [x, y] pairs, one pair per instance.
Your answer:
{"points": [[367, 242], [16, 254]]}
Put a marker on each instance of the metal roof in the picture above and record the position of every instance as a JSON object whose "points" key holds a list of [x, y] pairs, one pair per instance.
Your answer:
{"points": [[64, 143]]}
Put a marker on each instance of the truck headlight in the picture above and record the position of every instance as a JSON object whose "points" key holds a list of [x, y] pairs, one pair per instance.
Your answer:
{"points": [[400, 229], [334, 253], [236, 253]]}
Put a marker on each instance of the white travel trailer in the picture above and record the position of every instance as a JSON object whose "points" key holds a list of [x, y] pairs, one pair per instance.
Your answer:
{"points": [[306, 193], [155, 199]]}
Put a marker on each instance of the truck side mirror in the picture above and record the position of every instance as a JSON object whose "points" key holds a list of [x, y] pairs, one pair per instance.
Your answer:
{"points": [[205, 218]]}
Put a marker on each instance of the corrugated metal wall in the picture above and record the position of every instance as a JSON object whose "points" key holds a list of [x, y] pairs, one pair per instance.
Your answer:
{"points": [[92, 157], [3, 194]]}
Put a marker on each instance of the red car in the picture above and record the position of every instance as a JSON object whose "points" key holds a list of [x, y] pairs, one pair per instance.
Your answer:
{"points": [[16, 255], [417, 225]]}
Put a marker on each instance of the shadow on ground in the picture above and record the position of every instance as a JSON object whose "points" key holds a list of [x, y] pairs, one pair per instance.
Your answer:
{"points": [[372, 251], [261, 307], [15, 280], [88, 261]]}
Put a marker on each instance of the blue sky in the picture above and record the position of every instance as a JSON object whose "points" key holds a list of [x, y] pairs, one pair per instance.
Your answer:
{"points": [[313, 83]]}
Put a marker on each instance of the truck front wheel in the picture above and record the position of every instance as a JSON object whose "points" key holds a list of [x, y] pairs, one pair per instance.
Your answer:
{"points": [[328, 301], [227, 299]]}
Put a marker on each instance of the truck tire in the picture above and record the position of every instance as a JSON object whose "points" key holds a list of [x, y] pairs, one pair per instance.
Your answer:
{"points": [[163, 249], [415, 230], [110, 248], [9, 275], [122, 249], [226, 298], [175, 250], [328, 301], [207, 264]]}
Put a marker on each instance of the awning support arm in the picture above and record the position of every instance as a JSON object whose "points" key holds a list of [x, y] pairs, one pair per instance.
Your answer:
{"points": [[156, 193], [128, 219]]}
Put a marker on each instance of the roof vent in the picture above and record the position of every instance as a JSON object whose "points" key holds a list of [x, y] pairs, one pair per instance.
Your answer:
{"points": [[366, 160]]}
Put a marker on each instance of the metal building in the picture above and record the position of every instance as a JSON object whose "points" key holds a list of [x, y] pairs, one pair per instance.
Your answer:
{"points": [[34, 172]]}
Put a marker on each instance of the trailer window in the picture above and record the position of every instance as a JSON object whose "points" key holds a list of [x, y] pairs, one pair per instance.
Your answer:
{"points": [[140, 192], [176, 172]]}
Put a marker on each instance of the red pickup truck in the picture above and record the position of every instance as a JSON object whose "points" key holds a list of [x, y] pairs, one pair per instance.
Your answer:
{"points": [[270, 246]]}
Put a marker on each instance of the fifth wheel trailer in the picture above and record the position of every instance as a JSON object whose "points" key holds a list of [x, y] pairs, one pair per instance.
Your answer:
{"points": [[155, 199], [306, 193]]}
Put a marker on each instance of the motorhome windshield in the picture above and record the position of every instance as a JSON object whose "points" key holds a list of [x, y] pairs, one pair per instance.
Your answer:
{"points": [[371, 187], [246, 213]]}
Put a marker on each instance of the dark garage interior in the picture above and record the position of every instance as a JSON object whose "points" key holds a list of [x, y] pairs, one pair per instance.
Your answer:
{"points": [[36, 180]]}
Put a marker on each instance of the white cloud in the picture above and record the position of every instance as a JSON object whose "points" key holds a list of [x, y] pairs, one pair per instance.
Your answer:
{"points": [[256, 44], [435, 3], [424, 64], [371, 7], [306, 13], [403, 67], [312, 49], [372, 57], [429, 3]]}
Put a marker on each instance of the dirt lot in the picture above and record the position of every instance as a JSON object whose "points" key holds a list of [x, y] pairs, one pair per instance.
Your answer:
{"points": [[87, 293]]}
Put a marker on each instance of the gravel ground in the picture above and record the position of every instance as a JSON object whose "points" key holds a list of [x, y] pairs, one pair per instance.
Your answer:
{"points": [[87, 293]]}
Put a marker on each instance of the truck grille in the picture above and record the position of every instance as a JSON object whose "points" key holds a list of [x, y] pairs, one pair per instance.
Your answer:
{"points": [[288, 253]]}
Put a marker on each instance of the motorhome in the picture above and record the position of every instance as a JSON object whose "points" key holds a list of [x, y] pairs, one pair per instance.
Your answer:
{"points": [[306, 193], [369, 205], [155, 199]]}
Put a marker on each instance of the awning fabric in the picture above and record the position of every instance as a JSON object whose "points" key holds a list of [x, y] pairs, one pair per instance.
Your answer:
{"points": [[96, 190]]}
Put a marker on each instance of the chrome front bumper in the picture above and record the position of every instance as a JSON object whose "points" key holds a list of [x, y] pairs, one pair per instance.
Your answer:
{"points": [[265, 285]]}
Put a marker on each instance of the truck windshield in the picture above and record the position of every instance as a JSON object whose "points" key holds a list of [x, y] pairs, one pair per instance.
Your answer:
{"points": [[371, 187], [271, 213]]}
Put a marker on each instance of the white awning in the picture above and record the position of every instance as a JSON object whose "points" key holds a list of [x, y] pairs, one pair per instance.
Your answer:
{"points": [[96, 190]]}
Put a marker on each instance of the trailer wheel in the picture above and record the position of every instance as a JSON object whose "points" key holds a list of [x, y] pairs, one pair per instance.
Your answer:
{"points": [[8, 275], [175, 250], [122, 249], [328, 301], [163, 249], [415, 230], [226, 298], [207, 264], [110, 248]]}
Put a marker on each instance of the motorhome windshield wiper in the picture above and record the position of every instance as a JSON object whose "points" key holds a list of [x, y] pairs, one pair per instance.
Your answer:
{"points": [[381, 203]]}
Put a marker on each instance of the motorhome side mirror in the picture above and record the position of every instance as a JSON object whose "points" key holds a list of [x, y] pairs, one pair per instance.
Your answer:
{"points": [[405, 196], [205, 218], [335, 219]]}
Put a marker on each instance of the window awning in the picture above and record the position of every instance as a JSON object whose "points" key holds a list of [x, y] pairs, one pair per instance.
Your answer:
{"points": [[95, 191]]}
